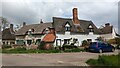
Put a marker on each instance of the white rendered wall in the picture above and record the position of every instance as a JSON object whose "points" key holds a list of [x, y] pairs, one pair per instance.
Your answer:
{"points": [[109, 36], [77, 36]]}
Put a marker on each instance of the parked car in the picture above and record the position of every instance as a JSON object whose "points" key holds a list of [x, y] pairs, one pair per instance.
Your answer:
{"points": [[101, 47]]}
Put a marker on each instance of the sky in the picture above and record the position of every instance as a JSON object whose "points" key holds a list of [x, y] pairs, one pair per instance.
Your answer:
{"points": [[32, 11]]}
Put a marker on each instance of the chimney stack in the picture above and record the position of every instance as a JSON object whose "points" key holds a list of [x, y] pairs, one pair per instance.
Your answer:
{"points": [[11, 26], [24, 23], [75, 16], [107, 24], [41, 21]]}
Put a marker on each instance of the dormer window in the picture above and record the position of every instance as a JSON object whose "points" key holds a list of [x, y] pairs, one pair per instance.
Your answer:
{"points": [[90, 27], [30, 31], [67, 26], [91, 30], [46, 30]]}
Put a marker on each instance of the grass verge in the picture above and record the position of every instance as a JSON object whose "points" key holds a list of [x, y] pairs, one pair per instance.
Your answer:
{"points": [[109, 61]]}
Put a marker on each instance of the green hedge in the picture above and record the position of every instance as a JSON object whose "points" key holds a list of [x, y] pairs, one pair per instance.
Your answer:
{"points": [[73, 50], [23, 50], [69, 47], [103, 60]]}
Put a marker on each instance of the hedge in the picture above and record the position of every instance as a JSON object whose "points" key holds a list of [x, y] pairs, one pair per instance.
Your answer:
{"points": [[23, 50]]}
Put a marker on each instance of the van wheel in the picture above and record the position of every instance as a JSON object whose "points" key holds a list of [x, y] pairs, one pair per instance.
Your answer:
{"points": [[113, 49], [100, 51]]}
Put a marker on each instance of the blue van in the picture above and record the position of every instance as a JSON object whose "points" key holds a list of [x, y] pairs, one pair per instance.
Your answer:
{"points": [[101, 47]]}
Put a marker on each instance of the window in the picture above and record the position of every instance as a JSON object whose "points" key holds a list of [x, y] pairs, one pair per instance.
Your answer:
{"points": [[75, 40], [3, 42], [58, 42], [90, 27], [20, 42], [12, 42], [91, 30], [29, 32], [38, 41], [66, 41], [89, 40], [67, 28], [29, 42], [93, 43], [7, 43]]}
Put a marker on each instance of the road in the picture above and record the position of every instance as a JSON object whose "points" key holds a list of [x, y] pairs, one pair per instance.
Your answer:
{"points": [[54, 59]]}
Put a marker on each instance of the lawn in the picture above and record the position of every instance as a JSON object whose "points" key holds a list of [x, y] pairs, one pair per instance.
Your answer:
{"points": [[109, 61]]}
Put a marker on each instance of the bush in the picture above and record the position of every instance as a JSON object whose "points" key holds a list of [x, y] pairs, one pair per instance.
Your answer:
{"points": [[92, 62], [6, 46], [64, 47], [85, 43], [41, 46], [73, 50]]}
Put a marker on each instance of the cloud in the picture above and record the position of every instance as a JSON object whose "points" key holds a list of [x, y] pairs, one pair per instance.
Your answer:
{"points": [[31, 11]]}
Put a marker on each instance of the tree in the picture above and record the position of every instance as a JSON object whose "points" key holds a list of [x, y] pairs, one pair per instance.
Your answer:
{"points": [[114, 41], [111, 41], [4, 22], [117, 41]]}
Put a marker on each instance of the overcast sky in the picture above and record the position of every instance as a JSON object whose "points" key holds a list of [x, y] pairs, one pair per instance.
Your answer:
{"points": [[31, 11]]}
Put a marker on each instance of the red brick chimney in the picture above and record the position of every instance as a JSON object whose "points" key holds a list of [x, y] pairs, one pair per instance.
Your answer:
{"points": [[75, 16]]}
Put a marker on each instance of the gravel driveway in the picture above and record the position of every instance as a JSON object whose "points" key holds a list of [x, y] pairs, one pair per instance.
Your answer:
{"points": [[54, 59]]}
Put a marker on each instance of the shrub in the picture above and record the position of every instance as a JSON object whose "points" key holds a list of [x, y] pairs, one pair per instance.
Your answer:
{"points": [[23, 50], [41, 46], [6, 46], [73, 50], [68, 47], [92, 62]]}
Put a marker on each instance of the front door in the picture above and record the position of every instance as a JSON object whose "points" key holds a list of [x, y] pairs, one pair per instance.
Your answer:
{"points": [[29, 42], [58, 42]]}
